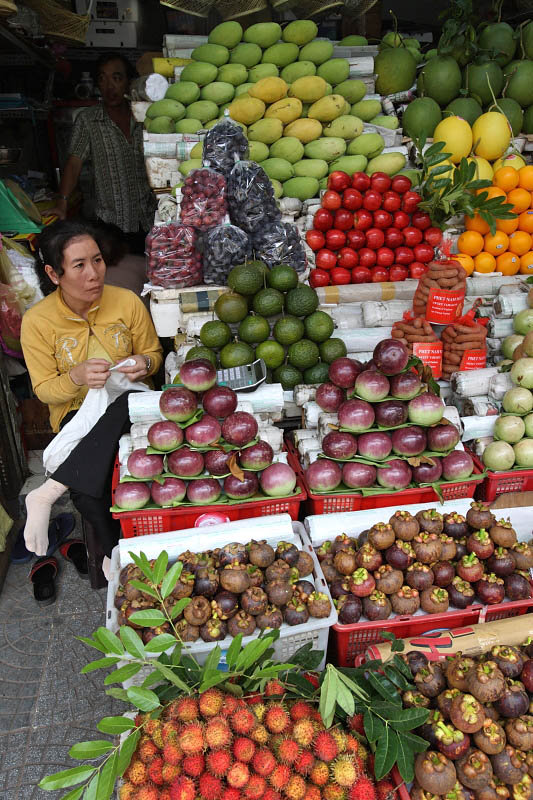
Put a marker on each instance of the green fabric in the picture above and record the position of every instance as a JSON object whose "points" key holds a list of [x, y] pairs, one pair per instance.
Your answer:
{"points": [[12, 215]]}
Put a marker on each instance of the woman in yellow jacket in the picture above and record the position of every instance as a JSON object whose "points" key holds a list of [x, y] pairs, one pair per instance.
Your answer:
{"points": [[69, 340]]}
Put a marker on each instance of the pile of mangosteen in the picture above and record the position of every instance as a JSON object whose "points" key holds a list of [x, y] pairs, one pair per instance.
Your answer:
{"points": [[430, 561], [234, 589], [480, 728]]}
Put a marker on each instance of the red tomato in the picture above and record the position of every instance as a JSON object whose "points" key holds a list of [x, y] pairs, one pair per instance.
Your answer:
{"points": [[315, 239], [372, 200], [356, 238], [424, 252], [335, 239], [339, 181], [421, 219], [323, 219], [367, 257], [399, 219], [410, 202], [363, 220], [380, 181], [331, 200], [318, 277], [379, 274], [394, 237], [361, 181], [375, 238], [398, 273], [352, 199], [401, 184], [411, 235], [385, 257], [404, 255], [416, 269], [348, 258], [325, 259], [433, 236], [340, 275], [391, 201], [361, 275], [382, 219], [343, 219]]}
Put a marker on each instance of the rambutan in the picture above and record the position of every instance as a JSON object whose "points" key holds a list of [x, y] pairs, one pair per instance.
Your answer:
{"points": [[172, 754], [243, 749], [263, 762], [270, 794], [153, 727], [169, 731], [295, 788], [304, 732], [191, 738], [316, 715], [136, 772], [333, 792], [355, 723], [155, 771], [304, 763], [243, 721], [277, 719], [279, 777], [344, 771], [146, 749], [230, 705], [185, 709], [182, 789], [193, 765], [274, 689], [319, 774], [218, 762], [210, 702], [170, 772], [385, 790], [288, 751], [340, 738], [139, 719], [325, 746], [312, 793], [364, 789], [255, 788], [147, 792], [127, 791], [217, 733], [164, 794], [238, 775], [259, 710], [352, 744], [260, 735], [301, 710], [230, 793], [209, 787]]}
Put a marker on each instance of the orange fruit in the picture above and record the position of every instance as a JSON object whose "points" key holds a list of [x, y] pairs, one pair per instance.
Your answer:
{"points": [[520, 243], [492, 191], [477, 224], [505, 178], [484, 262], [507, 225], [526, 263], [467, 262], [525, 178], [525, 221], [497, 244], [470, 242], [520, 199], [508, 263]]}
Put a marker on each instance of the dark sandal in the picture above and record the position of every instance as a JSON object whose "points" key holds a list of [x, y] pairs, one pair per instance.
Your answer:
{"points": [[60, 527], [74, 550], [42, 575]]}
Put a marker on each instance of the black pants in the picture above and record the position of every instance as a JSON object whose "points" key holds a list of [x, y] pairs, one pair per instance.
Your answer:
{"points": [[88, 470]]}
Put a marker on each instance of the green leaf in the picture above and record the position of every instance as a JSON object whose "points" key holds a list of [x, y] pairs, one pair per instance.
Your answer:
{"points": [[118, 694], [410, 718], [132, 641], [122, 674], [74, 794], [160, 643], [160, 567], [151, 618], [144, 588], [99, 664], [395, 677], [115, 725], [402, 667], [90, 750], [144, 699], [92, 643], [151, 679], [170, 579], [126, 752], [386, 753], [144, 565], [66, 778], [357, 690], [405, 760], [110, 641], [90, 791], [386, 708], [273, 670], [398, 646], [179, 606], [307, 658], [252, 653], [373, 726], [382, 685], [108, 775], [387, 635], [213, 659], [171, 676], [302, 685], [213, 678], [328, 696], [416, 743], [233, 651]]}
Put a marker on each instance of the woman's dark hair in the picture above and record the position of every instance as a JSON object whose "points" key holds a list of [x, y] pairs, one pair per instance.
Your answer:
{"points": [[52, 243], [131, 72], [112, 242]]}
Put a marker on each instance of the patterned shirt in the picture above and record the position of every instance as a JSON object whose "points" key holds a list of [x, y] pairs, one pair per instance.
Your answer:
{"points": [[123, 196]]}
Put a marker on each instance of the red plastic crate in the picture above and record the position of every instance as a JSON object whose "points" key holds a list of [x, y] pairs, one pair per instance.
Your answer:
{"points": [[497, 483], [148, 521]]}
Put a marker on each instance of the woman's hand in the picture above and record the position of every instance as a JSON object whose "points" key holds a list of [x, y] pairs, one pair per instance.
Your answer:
{"points": [[136, 372], [92, 373]]}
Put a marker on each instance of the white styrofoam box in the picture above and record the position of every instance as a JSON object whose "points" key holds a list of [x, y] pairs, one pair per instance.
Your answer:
{"points": [[273, 529], [176, 40], [345, 51], [139, 109], [162, 173]]}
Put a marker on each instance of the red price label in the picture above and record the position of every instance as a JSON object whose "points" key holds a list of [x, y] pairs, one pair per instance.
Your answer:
{"points": [[430, 355], [444, 306], [473, 359]]}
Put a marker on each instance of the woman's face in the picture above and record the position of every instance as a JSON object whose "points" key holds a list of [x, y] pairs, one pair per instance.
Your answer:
{"points": [[84, 269]]}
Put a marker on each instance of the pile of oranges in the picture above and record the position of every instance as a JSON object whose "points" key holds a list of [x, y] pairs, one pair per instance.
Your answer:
{"points": [[510, 249]]}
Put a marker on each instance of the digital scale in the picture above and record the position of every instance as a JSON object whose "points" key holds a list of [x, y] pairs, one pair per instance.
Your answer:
{"points": [[245, 378]]}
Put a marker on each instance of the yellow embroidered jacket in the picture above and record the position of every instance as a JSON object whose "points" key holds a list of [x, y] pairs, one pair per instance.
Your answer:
{"points": [[54, 339]]}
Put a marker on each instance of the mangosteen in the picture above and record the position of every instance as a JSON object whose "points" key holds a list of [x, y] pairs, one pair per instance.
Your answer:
{"points": [[234, 577], [198, 611], [368, 557], [254, 601], [490, 589], [214, 630], [491, 713], [526, 675], [205, 559], [305, 564], [406, 601], [184, 586], [460, 592], [305, 588], [255, 575], [319, 605], [474, 769], [376, 606], [523, 790], [415, 660], [241, 623], [449, 548], [454, 525], [261, 554], [434, 600], [430, 680], [481, 544], [224, 605], [279, 592], [361, 583], [486, 682], [467, 713], [520, 732], [278, 569], [502, 562], [322, 552], [523, 554], [232, 552], [510, 765], [288, 552], [514, 701], [295, 612], [444, 701], [461, 550], [400, 554], [132, 592], [330, 573], [189, 560], [490, 738], [349, 608], [434, 772], [404, 525], [419, 576], [417, 793], [270, 618], [129, 573], [428, 730], [509, 659], [343, 542], [480, 516], [150, 633], [470, 568], [443, 573], [427, 547], [345, 561], [206, 582], [411, 699], [517, 587], [388, 579], [119, 598], [381, 535], [495, 790], [338, 588], [451, 742], [527, 647], [362, 539], [430, 521], [503, 534], [186, 631]]}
